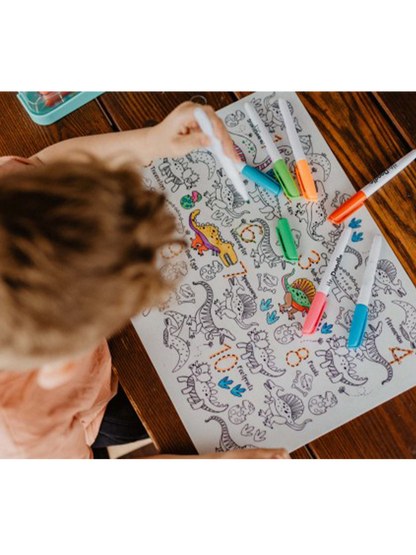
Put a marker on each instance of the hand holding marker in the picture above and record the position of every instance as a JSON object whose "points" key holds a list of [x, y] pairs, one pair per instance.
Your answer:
{"points": [[232, 168], [216, 147], [357, 200], [317, 307], [303, 172]]}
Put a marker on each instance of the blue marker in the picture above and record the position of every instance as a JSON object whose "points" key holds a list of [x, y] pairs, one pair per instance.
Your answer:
{"points": [[259, 178], [359, 321]]}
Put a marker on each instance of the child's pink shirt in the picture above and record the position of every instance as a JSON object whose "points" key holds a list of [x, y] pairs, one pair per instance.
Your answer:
{"points": [[61, 422]]}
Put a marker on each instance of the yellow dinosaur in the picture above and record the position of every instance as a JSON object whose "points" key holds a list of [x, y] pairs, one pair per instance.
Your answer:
{"points": [[208, 237]]}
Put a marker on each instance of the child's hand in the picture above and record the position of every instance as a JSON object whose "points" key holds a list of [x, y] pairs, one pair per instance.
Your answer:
{"points": [[179, 133], [239, 454]]}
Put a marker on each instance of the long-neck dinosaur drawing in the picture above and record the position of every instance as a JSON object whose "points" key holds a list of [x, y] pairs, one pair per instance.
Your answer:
{"points": [[203, 320], [264, 251], [226, 442]]}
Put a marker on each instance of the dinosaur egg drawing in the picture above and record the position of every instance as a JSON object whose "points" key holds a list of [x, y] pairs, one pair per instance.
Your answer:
{"points": [[189, 201]]}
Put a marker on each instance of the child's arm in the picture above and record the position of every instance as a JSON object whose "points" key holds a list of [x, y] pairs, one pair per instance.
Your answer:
{"points": [[238, 454], [177, 135]]}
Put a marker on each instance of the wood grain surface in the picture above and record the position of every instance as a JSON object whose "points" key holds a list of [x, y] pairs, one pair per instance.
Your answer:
{"points": [[401, 108]]}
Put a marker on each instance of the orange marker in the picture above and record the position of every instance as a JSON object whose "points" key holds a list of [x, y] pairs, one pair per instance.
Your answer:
{"points": [[302, 169], [356, 201]]}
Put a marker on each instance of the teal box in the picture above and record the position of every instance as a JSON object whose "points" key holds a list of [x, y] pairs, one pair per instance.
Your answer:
{"points": [[49, 107]]}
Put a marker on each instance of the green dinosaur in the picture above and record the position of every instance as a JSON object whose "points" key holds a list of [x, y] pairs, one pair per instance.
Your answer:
{"points": [[298, 295]]}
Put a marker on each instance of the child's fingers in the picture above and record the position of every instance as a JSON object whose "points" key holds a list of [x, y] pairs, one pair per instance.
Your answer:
{"points": [[221, 132], [192, 141], [256, 454], [218, 126]]}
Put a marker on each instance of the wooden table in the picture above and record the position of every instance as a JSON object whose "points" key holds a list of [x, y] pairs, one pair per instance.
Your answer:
{"points": [[367, 132]]}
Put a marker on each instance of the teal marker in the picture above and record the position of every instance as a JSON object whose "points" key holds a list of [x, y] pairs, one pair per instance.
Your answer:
{"points": [[281, 171], [259, 178]]}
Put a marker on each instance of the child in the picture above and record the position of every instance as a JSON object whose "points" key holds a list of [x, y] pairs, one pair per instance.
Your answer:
{"points": [[79, 239]]}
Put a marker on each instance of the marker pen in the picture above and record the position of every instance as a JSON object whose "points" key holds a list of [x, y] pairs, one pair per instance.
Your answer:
{"points": [[280, 169], [216, 147], [317, 307], [356, 201], [302, 169]]}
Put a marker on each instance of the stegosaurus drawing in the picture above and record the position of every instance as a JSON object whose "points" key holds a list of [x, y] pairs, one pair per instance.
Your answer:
{"points": [[298, 295]]}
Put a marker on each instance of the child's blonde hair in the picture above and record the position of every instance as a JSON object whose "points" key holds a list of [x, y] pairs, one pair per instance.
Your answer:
{"points": [[78, 258]]}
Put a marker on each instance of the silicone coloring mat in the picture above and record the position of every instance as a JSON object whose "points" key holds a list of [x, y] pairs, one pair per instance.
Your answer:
{"points": [[227, 344]]}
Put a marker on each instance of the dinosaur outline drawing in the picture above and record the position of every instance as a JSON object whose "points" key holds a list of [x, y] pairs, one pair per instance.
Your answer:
{"points": [[238, 305], [200, 389], [174, 323], [203, 320], [226, 442], [282, 409]]}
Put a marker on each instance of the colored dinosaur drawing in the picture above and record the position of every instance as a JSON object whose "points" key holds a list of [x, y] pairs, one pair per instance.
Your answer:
{"points": [[298, 295], [238, 305], [200, 389], [282, 409], [203, 321], [208, 237]]}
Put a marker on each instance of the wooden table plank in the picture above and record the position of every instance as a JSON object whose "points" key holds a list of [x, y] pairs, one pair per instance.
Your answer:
{"points": [[130, 110], [134, 368], [20, 136], [366, 142], [401, 108]]}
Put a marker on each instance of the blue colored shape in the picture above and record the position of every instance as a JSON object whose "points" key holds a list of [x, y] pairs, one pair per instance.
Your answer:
{"points": [[355, 223], [266, 305], [356, 237], [237, 391], [225, 383], [272, 317], [327, 328]]}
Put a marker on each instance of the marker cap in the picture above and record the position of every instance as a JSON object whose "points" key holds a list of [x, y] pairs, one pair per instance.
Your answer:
{"points": [[348, 208], [305, 179], [315, 314], [358, 326], [285, 179], [284, 234], [261, 179]]}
